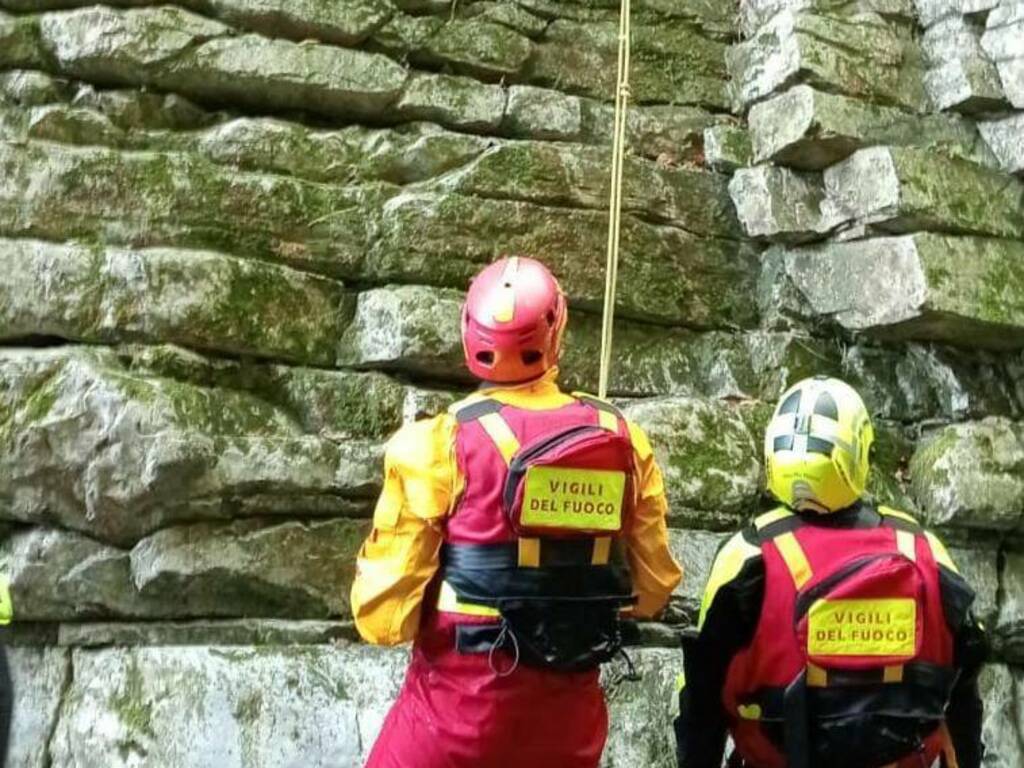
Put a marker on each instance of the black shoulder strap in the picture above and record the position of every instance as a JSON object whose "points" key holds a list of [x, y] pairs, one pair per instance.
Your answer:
{"points": [[598, 403], [476, 409]]}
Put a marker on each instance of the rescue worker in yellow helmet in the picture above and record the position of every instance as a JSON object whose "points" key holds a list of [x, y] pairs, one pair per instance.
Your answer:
{"points": [[833, 631], [512, 536]]}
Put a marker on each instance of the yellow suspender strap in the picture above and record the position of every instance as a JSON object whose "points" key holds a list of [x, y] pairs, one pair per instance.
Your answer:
{"points": [[817, 677], [893, 674], [906, 542], [602, 550], [796, 560], [501, 433], [763, 521], [449, 602], [608, 420], [529, 553]]}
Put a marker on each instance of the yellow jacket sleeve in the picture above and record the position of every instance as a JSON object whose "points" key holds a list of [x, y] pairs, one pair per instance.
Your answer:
{"points": [[401, 554], [655, 572]]}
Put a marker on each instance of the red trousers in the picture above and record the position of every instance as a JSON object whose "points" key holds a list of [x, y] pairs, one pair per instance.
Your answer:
{"points": [[454, 711]]}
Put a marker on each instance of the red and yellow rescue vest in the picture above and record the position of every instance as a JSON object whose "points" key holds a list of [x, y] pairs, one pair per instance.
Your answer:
{"points": [[851, 662], [532, 548]]}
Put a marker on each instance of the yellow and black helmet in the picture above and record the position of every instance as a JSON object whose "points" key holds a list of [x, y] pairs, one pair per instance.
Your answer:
{"points": [[817, 446]]}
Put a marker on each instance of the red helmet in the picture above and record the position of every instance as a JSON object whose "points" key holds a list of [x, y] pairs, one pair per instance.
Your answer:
{"points": [[512, 321]]}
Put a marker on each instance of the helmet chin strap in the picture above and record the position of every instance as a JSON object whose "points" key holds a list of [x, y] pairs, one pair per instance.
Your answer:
{"points": [[807, 505]]}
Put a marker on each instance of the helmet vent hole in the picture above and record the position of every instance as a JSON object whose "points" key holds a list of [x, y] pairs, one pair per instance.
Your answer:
{"points": [[550, 317], [826, 406], [485, 357], [532, 356], [508, 285], [792, 403]]}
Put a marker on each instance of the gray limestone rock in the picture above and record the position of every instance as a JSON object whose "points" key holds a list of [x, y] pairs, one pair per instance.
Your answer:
{"points": [[1003, 41], [540, 113], [972, 476], [860, 55], [442, 239], [479, 47], [959, 290], [810, 130], [924, 382], [564, 175], [123, 46], [347, 23], [58, 575], [29, 88], [931, 11], [172, 48], [902, 189], [40, 677], [708, 453], [198, 299], [727, 147], [1001, 688], [197, 707], [980, 567], [780, 205], [99, 448], [410, 328], [1005, 137], [250, 568], [1009, 628], [756, 13], [19, 42], [672, 63], [460, 102], [264, 632], [960, 75]]}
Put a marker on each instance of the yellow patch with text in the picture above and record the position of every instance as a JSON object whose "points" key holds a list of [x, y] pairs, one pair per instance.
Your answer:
{"points": [[581, 499], [882, 627]]}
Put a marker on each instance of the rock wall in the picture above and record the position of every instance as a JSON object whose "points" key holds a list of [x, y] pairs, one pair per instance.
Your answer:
{"points": [[233, 236]]}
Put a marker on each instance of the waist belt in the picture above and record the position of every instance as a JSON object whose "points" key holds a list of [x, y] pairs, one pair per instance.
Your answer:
{"points": [[533, 553], [536, 571]]}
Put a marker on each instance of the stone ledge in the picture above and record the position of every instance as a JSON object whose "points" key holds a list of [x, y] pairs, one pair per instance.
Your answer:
{"points": [[961, 291]]}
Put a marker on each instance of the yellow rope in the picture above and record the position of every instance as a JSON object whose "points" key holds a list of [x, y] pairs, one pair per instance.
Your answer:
{"points": [[615, 197]]}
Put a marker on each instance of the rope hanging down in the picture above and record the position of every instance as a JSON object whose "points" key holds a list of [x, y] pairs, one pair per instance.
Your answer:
{"points": [[615, 198]]}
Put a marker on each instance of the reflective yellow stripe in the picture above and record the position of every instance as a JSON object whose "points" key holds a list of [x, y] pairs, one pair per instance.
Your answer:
{"points": [[529, 553], [680, 681], [502, 435], [796, 560], [890, 512], [503, 301], [602, 550], [816, 676], [6, 604], [893, 674], [771, 517], [448, 602], [906, 542], [749, 711], [940, 553], [608, 420], [727, 567]]}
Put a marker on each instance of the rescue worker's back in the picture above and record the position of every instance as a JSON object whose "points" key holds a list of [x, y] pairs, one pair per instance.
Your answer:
{"points": [[511, 535], [832, 631]]}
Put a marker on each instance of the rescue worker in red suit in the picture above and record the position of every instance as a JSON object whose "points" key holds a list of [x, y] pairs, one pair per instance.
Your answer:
{"points": [[514, 536], [833, 631]]}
